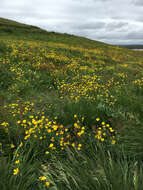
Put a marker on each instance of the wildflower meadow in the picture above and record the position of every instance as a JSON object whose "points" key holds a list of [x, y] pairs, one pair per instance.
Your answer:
{"points": [[71, 112]]}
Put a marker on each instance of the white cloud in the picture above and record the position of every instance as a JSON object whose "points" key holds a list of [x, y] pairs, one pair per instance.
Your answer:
{"points": [[111, 21]]}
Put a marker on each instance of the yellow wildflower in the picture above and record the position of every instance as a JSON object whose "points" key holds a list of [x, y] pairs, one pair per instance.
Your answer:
{"points": [[49, 130], [79, 145], [24, 121], [12, 146], [55, 127], [18, 122], [51, 145], [42, 178], [76, 125], [73, 144], [15, 171], [103, 123], [113, 141], [4, 124], [47, 183], [21, 144], [17, 162]]}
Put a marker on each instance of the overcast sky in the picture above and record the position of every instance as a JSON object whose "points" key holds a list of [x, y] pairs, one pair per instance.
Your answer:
{"points": [[111, 21]]}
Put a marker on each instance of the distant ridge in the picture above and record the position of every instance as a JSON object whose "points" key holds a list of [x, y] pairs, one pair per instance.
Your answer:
{"points": [[10, 29], [11, 23], [132, 46]]}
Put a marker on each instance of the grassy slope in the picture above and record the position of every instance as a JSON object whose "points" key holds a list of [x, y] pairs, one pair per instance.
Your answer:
{"points": [[65, 75], [11, 29]]}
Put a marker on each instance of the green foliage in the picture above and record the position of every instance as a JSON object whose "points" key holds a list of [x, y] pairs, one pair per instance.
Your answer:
{"points": [[3, 47], [6, 77], [25, 181], [95, 170], [55, 87]]}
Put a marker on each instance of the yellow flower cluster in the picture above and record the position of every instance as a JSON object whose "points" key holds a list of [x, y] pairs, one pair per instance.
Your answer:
{"points": [[104, 131], [89, 68], [43, 178]]}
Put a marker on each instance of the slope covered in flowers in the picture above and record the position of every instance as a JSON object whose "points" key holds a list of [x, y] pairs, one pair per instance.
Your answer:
{"points": [[59, 95]]}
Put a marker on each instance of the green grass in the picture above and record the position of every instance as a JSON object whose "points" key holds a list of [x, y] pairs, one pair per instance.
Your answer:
{"points": [[71, 109]]}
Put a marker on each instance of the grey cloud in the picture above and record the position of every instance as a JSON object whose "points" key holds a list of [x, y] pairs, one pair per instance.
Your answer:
{"points": [[106, 20], [135, 36], [137, 2], [91, 26], [115, 25]]}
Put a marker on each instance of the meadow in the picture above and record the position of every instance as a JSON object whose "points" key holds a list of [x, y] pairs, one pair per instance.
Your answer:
{"points": [[71, 112]]}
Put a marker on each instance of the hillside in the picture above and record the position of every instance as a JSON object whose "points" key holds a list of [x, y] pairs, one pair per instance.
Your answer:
{"points": [[11, 29], [71, 112]]}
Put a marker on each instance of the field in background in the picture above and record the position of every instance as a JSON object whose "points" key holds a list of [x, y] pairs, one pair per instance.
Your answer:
{"points": [[71, 112]]}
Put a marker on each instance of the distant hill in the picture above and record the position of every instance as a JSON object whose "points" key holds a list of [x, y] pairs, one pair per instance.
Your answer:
{"points": [[132, 46], [11, 27], [15, 30]]}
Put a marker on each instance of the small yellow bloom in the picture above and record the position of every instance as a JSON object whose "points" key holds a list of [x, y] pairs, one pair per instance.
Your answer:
{"points": [[17, 162], [15, 171], [51, 145], [26, 137], [21, 144], [29, 123], [79, 145], [73, 144], [102, 139], [76, 125], [61, 132], [97, 119], [49, 130], [47, 152], [47, 183], [4, 124], [113, 141], [18, 122], [103, 123], [24, 121], [12, 146], [42, 178], [55, 127], [31, 116]]}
